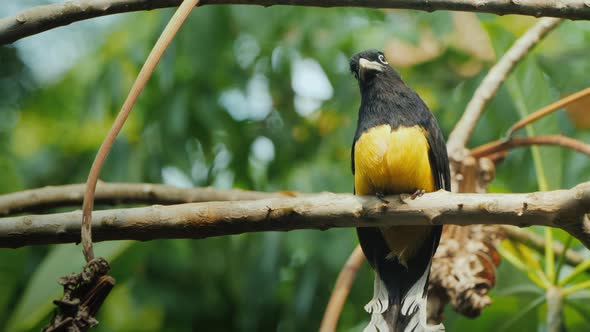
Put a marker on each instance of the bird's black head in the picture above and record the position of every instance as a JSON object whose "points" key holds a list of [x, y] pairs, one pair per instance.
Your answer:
{"points": [[369, 64]]}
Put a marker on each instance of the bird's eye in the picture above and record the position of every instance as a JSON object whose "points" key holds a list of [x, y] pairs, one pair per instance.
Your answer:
{"points": [[382, 59]]}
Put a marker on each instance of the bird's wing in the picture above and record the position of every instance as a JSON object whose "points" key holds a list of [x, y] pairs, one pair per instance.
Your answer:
{"points": [[439, 161]]}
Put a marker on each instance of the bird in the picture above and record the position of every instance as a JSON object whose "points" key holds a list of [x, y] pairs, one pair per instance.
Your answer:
{"points": [[398, 148]]}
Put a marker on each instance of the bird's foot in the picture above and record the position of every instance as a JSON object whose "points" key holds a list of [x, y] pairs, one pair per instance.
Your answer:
{"points": [[418, 193], [381, 197]]}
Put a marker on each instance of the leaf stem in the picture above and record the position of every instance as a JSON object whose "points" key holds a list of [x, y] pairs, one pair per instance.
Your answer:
{"points": [[561, 260], [577, 287], [585, 265]]}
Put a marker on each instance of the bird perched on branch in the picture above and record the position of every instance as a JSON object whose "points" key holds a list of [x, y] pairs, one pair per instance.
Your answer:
{"points": [[398, 148]]}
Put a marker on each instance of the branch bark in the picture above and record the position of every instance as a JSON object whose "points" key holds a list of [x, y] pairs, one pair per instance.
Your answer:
{"points": [[41, 199], [41, 18], [561, 208]]}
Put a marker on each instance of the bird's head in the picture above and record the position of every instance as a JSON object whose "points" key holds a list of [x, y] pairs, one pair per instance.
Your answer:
{"points": [[369, 64]]}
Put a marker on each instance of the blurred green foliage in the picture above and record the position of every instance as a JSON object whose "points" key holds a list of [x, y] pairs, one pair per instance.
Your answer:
{"points": [[262, 98]]}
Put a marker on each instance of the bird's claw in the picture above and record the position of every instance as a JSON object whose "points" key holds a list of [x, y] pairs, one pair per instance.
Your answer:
{"points": [[418, 193], [381, 197]]}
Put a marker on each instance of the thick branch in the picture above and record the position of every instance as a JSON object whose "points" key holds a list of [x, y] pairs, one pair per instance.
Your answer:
{"points": [[41, 199], [504, 145], [36, 200], [42, 18], [491, 83], [561, 208]]}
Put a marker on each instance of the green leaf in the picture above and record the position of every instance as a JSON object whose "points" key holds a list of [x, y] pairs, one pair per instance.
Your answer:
{"points": [[494, 316], [561, 260], [520, 314], [520, 289], [576, 288], [11, 179], [521, 258], [580, 295], [12, 271], [121, 300], [579, 308], [36, 302], [530, 90]]}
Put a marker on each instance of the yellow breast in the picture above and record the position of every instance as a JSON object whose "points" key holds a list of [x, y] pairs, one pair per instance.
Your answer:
{"points": [[394, 162]]}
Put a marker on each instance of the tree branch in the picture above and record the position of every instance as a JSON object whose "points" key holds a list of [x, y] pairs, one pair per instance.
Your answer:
{"points": [[491, 83], [563, 102], [41, 18], [341, 290], [41, 199], [491, 148], [560, 208]]}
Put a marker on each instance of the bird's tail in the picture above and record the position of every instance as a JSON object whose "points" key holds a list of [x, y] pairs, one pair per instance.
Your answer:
{"points": [[399, 302], [388, 314]]}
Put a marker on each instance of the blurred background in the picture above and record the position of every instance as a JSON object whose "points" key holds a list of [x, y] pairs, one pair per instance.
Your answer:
{"points": [[262, 99]]}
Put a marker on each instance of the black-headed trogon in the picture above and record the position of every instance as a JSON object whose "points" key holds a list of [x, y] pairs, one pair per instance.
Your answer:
{"points": [[398, 148]]}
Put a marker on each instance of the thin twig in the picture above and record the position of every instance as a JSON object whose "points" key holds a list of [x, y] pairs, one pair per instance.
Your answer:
{"points": [[560, 208], [497, 157], [563, 102], [144, 74], [504, 145], [41, 18], [491, 83], [341, 290]]}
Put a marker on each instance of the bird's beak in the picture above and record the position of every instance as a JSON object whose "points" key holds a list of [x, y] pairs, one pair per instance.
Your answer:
{"points": [[366, 66]]}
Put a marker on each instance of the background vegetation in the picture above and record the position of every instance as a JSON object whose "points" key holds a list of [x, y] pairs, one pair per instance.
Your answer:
{"points": [[262, 98]]}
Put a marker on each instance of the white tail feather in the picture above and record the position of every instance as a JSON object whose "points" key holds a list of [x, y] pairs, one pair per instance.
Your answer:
{"points": [[415, 295], [413, 305], [380, 301], [377, 324]]}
